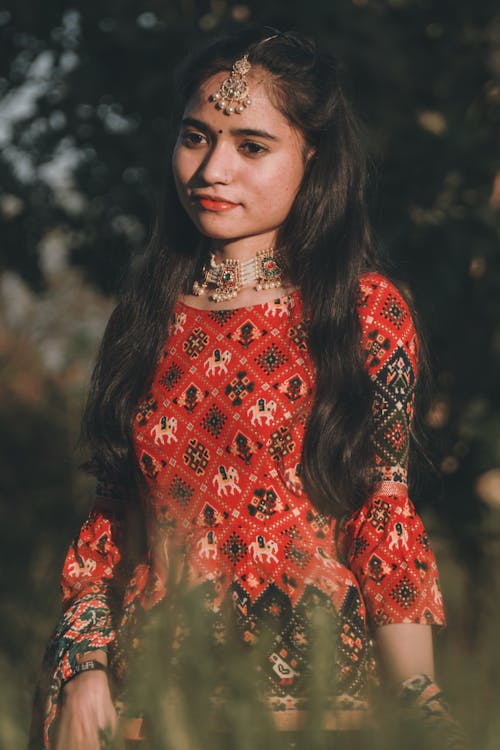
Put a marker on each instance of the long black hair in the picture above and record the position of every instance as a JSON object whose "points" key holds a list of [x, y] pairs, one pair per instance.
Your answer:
{"points": [[326, 243]]}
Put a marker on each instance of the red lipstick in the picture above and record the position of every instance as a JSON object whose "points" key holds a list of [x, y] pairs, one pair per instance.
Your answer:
{"points": [[214, 203]]}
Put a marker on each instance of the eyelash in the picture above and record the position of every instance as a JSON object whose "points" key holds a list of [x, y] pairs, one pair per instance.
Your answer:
{"points": [[188, 139], [251, 148]]}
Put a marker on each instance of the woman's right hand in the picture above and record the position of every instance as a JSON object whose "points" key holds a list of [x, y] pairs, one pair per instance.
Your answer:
{"points": [[86, 708]]}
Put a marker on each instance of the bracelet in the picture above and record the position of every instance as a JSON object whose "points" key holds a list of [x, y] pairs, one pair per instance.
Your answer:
{"points": [[421, 691], [421, 694], [89, 665]]}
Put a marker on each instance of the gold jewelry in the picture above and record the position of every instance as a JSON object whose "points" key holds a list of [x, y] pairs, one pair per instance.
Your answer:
{"points": [[232, 95], [231, 275]]}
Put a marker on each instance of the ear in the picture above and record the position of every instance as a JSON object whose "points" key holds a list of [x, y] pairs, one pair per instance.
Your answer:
{"points": [[309, 153]]}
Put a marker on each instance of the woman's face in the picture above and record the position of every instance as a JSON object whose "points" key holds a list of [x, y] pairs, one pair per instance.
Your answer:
{"points": [[237, 175]]}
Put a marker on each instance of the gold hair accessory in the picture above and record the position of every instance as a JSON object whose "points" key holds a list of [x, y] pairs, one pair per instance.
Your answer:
{"points": [[232, 274], [232, 95]]}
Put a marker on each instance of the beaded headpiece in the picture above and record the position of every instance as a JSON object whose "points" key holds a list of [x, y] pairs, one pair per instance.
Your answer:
{"points": [[232, 95]]}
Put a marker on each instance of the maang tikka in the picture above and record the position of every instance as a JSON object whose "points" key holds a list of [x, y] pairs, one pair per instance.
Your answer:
{"points": [[232, 95]]}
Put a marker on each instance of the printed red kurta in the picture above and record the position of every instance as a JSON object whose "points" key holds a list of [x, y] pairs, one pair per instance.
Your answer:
{"points": [[219, 440]]}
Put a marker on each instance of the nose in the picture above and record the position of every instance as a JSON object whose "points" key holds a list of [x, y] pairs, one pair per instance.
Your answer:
{"points": [[217, 166]]}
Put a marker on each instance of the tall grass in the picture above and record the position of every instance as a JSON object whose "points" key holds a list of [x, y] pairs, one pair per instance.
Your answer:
{"points": [[39, 485]]}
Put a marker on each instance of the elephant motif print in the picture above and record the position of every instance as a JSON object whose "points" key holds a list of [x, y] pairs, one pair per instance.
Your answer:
{"points": [[398, 536], [263, 549], [207, 545], [216, 364], [226, 480], [262, 410], [166, 428]]}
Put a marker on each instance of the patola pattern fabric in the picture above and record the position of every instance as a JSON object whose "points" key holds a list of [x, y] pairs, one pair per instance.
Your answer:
{"points": [[219, 438]]}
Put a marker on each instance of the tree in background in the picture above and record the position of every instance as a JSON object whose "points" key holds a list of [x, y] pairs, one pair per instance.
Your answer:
{"points": [[86, 100]]}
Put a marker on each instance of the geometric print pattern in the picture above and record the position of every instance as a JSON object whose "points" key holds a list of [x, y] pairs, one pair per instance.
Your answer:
{"points": [[384, 543], [219, 438], [393, 400]]}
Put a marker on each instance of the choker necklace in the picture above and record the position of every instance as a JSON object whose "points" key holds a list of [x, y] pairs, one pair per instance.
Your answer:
{"points": [[227, 278]]}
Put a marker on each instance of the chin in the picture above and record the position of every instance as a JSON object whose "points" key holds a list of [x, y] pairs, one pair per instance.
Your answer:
{"points": [[214, 232]]}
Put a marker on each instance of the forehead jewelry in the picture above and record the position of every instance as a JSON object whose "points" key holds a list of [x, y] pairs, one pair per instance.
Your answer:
{"points": [[232, 95], [226, 279]]}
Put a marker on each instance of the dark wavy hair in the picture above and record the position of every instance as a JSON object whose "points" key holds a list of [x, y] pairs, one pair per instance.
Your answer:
{"points": [[326, 243]]}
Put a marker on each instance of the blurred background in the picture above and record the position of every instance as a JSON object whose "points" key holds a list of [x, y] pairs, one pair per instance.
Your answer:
{"points": [[85, 97]]}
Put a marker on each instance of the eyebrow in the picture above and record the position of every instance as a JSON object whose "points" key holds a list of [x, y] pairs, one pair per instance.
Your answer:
{"points": [[256, 133]]}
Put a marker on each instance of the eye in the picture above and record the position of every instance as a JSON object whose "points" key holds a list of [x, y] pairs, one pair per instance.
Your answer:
{"points": [[192, 138], [251, 148]]}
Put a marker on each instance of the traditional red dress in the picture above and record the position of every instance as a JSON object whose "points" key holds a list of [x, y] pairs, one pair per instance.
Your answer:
{"points": [[219, 438]]}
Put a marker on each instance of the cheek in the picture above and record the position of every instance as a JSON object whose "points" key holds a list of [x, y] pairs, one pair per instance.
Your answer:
{"points": [[287, 184], [177, 167], [184, 166], [181, 178], [281, 179]]}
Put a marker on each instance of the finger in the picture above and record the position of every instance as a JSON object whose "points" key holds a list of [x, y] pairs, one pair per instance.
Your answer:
{"points": [[76, 733]]}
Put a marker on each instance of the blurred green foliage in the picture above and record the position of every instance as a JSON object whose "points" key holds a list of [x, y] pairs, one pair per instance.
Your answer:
{"points": [[425, 77], [85, 102]]}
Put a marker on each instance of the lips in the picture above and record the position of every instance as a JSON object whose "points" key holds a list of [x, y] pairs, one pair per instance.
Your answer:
{"points": [[214, 202]]}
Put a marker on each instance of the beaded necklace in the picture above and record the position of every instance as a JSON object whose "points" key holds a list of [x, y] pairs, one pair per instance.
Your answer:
{"points": [[225, 280]]}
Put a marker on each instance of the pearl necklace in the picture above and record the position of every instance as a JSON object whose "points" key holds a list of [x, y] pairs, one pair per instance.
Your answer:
{"points": [[231, 275]]}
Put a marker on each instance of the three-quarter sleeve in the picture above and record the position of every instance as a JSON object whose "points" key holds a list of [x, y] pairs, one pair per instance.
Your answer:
{"points": [[93, 579], [90, 577], [384, 542]]}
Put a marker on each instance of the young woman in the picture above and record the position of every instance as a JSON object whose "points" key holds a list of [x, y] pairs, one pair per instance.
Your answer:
{"points": [[251, 409]]}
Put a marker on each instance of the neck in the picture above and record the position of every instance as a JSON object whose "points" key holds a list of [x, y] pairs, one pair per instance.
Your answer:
{"points": [[242, 249]]}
